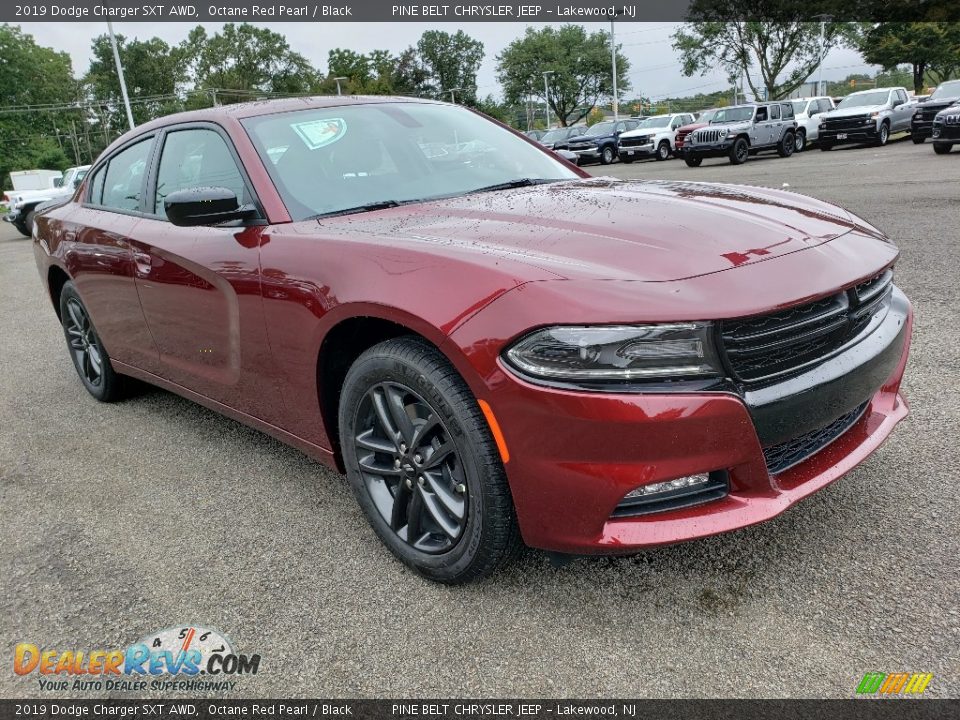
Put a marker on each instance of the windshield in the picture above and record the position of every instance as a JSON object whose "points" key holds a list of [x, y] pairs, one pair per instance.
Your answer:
{"points": [[946, 90], [654, 122], [601, 128], [339, 159], [877, 97], [554, 135], [707, 116], [734, 114]]}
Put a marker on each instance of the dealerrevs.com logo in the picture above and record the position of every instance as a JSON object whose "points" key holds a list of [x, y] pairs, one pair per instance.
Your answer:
{"points": [[186, 658]]}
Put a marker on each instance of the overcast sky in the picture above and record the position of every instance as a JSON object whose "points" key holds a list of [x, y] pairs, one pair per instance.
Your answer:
{"points": [[654, 70]]}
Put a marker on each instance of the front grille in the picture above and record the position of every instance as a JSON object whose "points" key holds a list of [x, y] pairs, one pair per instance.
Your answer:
{"points": [[928, 112], [635, 141], [787, 454], [761, 348], [847, 123], [708, 136], [681, 134]]}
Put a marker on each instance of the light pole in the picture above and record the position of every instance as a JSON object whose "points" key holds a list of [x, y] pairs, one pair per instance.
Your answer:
{"points": [[824, 19], [546, 97], [613, 59], [453, 98], [123, 82], [338, 79]]}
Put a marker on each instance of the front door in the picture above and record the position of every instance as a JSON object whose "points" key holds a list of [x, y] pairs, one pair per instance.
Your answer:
{"points": [[200, 286]]}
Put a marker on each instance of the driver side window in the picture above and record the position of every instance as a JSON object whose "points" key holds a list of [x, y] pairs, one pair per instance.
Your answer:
{"points": [[761, 115], [193, 158]]}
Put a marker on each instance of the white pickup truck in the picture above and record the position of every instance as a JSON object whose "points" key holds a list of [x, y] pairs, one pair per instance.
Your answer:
{"points": [[23, 203]]}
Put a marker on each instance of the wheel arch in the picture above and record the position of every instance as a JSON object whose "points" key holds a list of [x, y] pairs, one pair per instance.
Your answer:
{"points": [[57, 277]]}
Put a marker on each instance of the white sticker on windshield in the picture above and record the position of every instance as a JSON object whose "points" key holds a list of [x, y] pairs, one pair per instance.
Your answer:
{"points": [[317, 133]]}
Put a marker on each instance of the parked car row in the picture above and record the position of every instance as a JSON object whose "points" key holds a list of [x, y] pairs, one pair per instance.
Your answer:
{"points": [[23, 204]]}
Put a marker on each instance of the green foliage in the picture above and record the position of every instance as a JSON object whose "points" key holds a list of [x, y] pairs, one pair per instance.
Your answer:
{"points": [[784, 53], [32, 75], [928, 47], [452, 61], [581, 66]]}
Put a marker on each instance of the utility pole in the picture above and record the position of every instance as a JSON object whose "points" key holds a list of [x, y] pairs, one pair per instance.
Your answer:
{"points": [[76, 150], [453, 98], [823, 44], [546, 97], [613, 59], [123, 82]]}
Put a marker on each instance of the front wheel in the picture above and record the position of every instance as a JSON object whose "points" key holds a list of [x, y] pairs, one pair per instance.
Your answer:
{"points": [[423, 464], [626, 159], [917, 140], [22, 228], [800, 141], [663, 150], [787, 142], [825, 146], [882, 135], [739, 152], [607, 155], [86, 349], [942, 148], [693, 160]]}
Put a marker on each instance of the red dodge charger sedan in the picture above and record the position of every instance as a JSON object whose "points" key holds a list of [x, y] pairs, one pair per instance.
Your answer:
{"points": [[493, 346]]}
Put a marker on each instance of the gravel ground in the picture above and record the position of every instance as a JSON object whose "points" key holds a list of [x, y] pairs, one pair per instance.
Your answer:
{"points": [[119, 520]]}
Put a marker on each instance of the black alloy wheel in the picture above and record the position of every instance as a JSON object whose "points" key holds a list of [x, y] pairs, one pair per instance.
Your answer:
{"points": [[739, 151], [89, 356], [786, 146], [411, 467], [942, 148], [423, 464]]}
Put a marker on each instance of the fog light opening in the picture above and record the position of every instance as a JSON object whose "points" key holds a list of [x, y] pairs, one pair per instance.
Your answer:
{"points": [[674, 494]]}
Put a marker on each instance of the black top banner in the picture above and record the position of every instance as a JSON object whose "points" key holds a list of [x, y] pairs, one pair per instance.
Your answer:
{"points": [[527, 11], [481, 709]]}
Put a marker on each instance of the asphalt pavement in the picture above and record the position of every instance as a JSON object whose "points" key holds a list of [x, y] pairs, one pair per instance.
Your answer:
{"points": [[119, 520]]}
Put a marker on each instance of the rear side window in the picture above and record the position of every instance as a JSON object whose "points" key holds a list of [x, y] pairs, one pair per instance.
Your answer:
{"points": [[123, 179], [787, 111], [198, 157], [774, 112]]}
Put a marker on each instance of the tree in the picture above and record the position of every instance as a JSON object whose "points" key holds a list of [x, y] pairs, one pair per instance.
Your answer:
{"points": [[452, 62], [242, 61], [32, 75], [927, 47], [582, 72], [410, 76], [153, 71], [784, 53]]}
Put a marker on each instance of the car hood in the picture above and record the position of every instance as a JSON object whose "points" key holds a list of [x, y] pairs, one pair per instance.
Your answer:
{"points": [[603, 228], [692, 126], [588, 138], [859, 110], [646, 132]]}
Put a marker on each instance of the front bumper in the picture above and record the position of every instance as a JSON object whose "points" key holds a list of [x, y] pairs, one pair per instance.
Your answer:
{"points": [[921, 128], [943, 133], [574, 455], [590, 153], [637, 151], [721, 148], [12, 216], [849, 134]]}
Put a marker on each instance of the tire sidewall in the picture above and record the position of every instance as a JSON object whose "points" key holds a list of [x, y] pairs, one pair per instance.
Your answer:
{"points": [[884, 134], [663, 150], [735, 156], [107, 389], [369, 371], [607, 155], [799, 141]]}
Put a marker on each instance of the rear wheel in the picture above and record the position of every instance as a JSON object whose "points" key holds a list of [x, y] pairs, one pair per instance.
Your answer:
{"points": [[739, 152], [423, 465], [86, 350], [800, 140], [663, 150], [786, 146], [942, 148], [607, 155], [692, 160]]}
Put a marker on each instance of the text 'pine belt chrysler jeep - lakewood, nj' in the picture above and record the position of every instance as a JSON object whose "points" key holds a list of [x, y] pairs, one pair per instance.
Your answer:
{"points": [[743, 130]]}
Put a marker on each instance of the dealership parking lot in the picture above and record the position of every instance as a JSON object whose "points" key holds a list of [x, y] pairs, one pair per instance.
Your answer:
{"points": [[120, 520]]}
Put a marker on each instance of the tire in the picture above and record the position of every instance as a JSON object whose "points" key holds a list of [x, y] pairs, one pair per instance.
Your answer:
{"points": [[22, 229], [466, 493], [917, 140], [800, 140], [663, 150], [739, 152], [785, 146], [692, 160], [28, 222], [607, 155], [883, 135], [942, 148], [86, 349], [626, 159], [825, 146]]}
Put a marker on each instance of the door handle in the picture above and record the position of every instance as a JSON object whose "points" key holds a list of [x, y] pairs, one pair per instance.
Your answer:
{"points": [[142, 261]]}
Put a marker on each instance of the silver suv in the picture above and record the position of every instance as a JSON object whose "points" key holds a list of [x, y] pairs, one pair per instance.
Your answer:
{"points": [[868, 116], [741, 131]]}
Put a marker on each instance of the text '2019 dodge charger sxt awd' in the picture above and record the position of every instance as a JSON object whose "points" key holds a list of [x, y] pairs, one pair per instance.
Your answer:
{"points": [[492, 345]]}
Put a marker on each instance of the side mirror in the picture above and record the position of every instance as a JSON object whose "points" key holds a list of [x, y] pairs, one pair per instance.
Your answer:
{"points": [[206, 206]]}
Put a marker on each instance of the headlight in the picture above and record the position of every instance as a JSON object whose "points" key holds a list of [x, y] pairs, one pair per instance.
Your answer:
{"points": [[875, 115], [617, 352]]}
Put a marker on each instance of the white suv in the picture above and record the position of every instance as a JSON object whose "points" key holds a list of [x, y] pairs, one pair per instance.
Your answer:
{"points": [[807, 112], [654, 136]]}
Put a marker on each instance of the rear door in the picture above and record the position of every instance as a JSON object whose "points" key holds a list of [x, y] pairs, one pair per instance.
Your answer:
{"points": [[200, 286], [100, 257]]}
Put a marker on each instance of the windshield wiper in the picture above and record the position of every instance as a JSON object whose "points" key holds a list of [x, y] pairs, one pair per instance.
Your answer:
{"points": [[368, 207], [519, 182]]}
